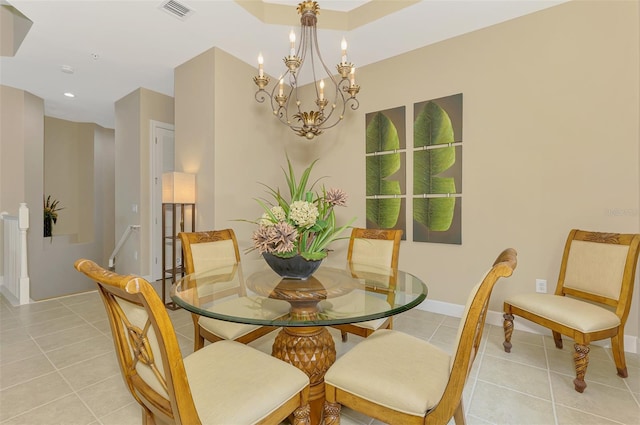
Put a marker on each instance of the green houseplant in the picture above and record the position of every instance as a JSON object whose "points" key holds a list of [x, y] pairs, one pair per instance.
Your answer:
{"points": [[300, 223], [51, 208]]}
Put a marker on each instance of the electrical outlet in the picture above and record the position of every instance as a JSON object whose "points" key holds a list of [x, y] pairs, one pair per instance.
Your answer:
{"points": [[541, 286]]}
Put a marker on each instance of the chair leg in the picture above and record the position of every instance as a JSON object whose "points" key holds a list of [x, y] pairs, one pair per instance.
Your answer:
{"points": [[557, 339], [198, 339], [331, 413], [458, 415], [147, 417], [302, 415], [617, 348], [507, 325], [345, 336], [581, 361]]}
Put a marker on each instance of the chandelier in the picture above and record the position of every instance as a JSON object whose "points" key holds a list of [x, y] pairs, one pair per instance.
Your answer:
{"points": [[331, 98]]}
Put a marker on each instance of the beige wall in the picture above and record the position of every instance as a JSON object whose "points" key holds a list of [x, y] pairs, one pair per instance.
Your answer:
{"points": [[22, 142], [134, 114], [551, 140], [68, 175]]}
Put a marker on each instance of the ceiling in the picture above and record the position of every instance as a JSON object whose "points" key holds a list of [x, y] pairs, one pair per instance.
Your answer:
{"points": [[110, 48]]}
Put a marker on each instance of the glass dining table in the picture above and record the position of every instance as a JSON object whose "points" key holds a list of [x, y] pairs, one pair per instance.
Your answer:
{"points": [[250, 292]]}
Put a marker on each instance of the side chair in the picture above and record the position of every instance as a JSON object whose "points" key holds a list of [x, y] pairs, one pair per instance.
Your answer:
{"points": [[223, 383], [400, 379], [377, 251], [216, 249], [592, 297]]}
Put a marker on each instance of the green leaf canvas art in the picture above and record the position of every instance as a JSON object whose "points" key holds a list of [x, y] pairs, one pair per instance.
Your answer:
{"points": [[437, 170]]}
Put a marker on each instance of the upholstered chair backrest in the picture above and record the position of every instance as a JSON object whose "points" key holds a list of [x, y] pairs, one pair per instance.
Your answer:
{"points": [[594, 263], [599, 267], [209, 250], [145, 342], [375, 248]]}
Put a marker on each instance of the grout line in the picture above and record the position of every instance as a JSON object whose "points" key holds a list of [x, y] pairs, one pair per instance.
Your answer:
{"points": [[553, 400]]}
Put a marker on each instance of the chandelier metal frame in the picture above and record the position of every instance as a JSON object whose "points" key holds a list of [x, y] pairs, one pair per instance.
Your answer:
{"points": [[285, 102]]}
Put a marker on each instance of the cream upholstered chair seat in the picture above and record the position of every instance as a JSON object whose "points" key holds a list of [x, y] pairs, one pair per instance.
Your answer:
{"points": [[592, 297], [400, 379], [271, 309], [223, 383], [567, 311], [227, 404], [412, 390]]}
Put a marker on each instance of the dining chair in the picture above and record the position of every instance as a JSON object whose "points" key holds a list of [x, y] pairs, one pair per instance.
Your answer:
{"points": [[592, 297], [401, 379], [223, 383], [375, 251], [218, 249]]}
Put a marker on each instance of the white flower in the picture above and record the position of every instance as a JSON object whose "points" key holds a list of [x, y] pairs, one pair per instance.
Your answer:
{"points": [[303, 213], [277, 212]]}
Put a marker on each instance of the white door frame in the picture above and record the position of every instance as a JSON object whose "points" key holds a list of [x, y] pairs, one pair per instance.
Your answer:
{"points": [[155, 195]]}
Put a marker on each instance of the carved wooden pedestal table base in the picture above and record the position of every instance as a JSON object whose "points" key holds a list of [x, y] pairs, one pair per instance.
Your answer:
{"points": [[313, 351]]}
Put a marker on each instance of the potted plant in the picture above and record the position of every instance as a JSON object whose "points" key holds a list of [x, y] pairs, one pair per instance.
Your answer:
{"points": [[299, 228], [51, 208]]}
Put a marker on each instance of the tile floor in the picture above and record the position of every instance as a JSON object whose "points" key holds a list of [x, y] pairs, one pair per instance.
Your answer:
{"points": [[57, 366]]}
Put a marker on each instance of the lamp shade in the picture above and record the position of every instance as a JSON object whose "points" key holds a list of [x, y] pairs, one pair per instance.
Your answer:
{"points": [[178, 188]]}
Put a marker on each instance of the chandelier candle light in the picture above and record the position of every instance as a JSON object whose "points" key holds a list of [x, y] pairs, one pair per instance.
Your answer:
{"points": [[287, 106]]}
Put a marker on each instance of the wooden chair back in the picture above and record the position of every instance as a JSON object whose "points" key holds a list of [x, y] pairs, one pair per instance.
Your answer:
{"points": [[469, 336], [209, 249], [374, 247], [146, 345], [600, 268]]}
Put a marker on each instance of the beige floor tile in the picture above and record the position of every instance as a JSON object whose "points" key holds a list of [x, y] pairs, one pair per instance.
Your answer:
{"points": [[27, 309], [443, 337], [499, 405], [106, 396], [102, 326], [517, 337], [91, 371], [66, 337], [533, 355], [613, 403], [80, 351], [10, 323], [80, 298], [420, 328], [13, 336], [11, 352], [67, 411], [516, 376], [567, 416], [130, 414], [28, 395], [50, 315], [52, 326], [23, 370], [633, 380], [632, 359]]}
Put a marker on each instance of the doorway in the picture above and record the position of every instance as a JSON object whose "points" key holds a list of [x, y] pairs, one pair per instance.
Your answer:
{"points": [[162, 161]]}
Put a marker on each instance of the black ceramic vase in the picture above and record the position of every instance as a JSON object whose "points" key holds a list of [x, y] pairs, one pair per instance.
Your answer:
{"points": [[296, 267]]}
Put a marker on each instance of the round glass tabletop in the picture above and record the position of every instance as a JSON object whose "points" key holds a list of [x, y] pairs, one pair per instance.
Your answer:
{"points": [[250, 292]]}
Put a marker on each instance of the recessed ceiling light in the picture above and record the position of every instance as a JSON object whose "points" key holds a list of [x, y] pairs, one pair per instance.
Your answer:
{"points": [[69, 94], [66, 69]]}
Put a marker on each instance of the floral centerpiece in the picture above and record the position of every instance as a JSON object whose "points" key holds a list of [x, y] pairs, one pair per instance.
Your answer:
{"points": [[302, 224]]}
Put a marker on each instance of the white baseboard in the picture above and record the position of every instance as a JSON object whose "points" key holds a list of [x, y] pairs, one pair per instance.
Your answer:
{"points": [[631, 343]]}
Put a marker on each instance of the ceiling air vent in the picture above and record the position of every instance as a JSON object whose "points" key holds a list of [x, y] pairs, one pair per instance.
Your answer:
{"points": [[176, 9]]}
